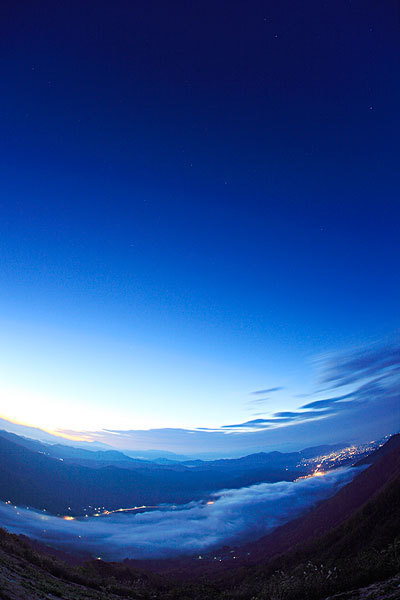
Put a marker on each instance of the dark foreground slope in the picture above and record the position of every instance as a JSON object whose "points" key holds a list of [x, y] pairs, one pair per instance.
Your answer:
{"points": [[359, 552], [362, 549], [384, 468]]}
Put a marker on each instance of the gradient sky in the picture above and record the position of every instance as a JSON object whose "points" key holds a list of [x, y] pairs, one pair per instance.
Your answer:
{"points": [[199, 199]]}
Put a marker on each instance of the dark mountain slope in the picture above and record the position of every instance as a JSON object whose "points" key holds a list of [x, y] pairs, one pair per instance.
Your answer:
{"points": [[362, 549], [372, 525], [33, 479], [391, 444], [329, 514], [26, 574], [95, 458]]}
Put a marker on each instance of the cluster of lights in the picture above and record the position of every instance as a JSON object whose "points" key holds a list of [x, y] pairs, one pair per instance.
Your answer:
{"points": [[338, 457]]}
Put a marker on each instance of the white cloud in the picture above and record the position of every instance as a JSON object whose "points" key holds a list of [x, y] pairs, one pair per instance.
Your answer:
{"points": [[236, 515]]}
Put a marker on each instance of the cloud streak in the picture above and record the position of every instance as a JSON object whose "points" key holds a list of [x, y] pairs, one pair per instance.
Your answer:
{"points": [[267, 391], [235, 516], [373, 374], [358, 365]]}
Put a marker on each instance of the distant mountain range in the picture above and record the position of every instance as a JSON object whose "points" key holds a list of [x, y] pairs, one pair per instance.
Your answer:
{"points": [[67, 480]]}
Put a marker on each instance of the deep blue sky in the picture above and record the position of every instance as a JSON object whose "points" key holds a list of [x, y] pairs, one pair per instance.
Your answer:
{"points": [[198, 199]]}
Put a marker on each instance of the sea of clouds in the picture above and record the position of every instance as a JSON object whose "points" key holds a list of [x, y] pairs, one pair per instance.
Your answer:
{"points": [[235, 516]]}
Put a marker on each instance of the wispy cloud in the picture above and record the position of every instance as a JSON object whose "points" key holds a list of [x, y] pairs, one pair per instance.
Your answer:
{"points": [[361, 364], [254, 401], [372, 374], [317, 404], [250, 424], [236, 515], [267, 391]]}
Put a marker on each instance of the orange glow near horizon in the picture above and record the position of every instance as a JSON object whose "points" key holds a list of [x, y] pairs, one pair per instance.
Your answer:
{"points": [[70, 436], [57, 433]]}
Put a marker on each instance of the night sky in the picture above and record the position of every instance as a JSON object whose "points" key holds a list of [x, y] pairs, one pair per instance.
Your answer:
{"points": [[199, 200]]}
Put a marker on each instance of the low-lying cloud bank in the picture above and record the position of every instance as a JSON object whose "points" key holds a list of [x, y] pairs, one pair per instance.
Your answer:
{"points": [[235, 516]]}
